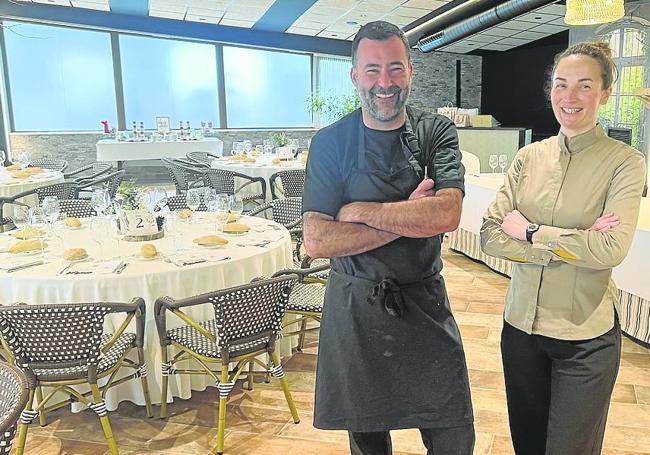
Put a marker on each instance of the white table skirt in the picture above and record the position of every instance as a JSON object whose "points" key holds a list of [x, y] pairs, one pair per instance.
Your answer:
{"points": [[10, 186], [153, 279], [255, 170], [112, 150], [630, 276]]}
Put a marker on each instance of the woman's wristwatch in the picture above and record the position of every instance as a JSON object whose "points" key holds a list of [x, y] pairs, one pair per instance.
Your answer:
{"points": [[530, 230]]}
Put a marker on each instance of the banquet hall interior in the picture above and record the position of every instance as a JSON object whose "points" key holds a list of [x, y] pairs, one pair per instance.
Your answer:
{"points": [[155, 150]]}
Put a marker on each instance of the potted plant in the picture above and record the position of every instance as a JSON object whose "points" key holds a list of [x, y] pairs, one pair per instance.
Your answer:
{"points": [[138, 222], [279, 139]]}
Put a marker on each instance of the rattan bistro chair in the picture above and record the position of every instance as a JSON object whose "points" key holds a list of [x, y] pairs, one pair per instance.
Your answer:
{"points": [[224, 182], [247, 321], [63, 345], [50, 163], [79, 208], [14, 393], [89, 172], [288, 213], [65, 190], [306, 300], [292, 183]]}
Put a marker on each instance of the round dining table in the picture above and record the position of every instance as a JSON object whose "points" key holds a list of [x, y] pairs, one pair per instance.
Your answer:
{"points": [[261, 168], [182, 269], [10, 186]]}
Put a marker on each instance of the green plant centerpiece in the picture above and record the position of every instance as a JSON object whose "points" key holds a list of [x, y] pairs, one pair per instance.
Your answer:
{"points": [[136, 220], [279, 139]]}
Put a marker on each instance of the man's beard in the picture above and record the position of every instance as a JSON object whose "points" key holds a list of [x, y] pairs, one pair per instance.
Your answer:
{"points": [[369, 102]]}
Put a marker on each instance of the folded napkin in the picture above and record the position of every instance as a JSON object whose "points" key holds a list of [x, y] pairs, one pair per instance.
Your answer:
{"points": [[187, 258], [87, 267]]}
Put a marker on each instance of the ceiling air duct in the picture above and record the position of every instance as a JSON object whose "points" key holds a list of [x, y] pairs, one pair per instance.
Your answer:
{"points": [[493, 16]]}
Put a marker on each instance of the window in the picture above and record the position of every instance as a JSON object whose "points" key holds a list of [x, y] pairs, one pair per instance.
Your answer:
{"points": [[175, 79], [266, 88], [629, 49], [60, 79], [335, 88]]}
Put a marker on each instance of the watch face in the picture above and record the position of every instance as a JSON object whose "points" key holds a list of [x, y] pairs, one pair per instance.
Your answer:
{"points": [[532, 227]]}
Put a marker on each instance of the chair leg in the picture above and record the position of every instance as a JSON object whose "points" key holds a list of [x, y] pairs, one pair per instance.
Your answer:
{"points": [[301, 337], [145, 385], [221, 426], [41, 410], [285, 387], [249, 380], [22, 427], [163, 388], [103, 419]]}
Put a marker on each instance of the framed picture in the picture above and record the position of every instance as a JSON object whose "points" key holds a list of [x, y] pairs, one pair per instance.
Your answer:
{"points": [[162, 124]]}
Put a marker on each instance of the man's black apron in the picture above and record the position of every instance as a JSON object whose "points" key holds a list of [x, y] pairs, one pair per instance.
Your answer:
{"points": [[390, 354]]}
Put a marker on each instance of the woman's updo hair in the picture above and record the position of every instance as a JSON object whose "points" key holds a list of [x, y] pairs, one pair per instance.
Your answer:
{"points": [[599, 51]]}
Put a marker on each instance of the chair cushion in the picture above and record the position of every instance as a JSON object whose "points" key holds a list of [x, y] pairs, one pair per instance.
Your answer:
{"points": [[196, 342], [106, 361], [306, 298]]}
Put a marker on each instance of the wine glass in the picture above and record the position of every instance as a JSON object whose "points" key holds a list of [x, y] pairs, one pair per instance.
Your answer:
{"points": [[236, 206], [219, 207], [23, 159], [51, 208], [493, 162], [172, 229], [20, 216], [98, 232], [248, 147], [193, 199], [38, 221], [116, 231], [154, 195], [503, 161], [100, 200]]}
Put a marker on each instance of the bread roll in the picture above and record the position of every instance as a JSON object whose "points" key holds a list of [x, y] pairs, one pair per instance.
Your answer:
{"points": [[210, 240], [20, 174], [236, 228], [184, 214], [28, 233], [73, 222], [75, 254], [148, 250], [13, 167], [250, 160], [33, 170], [26, 245]]}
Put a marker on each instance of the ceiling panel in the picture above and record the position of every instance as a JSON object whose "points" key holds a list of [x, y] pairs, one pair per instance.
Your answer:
{"points": [[536, 17], [513, 41], [54, 2], [500, 31], [549, 28], [528, 35], [497, 47]]}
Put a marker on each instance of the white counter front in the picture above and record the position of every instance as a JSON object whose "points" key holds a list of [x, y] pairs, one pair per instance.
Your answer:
{"points": [[112, 150]]}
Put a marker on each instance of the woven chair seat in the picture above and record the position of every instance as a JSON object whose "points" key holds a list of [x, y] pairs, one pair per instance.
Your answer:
{"points": [[107, 361], [192, 339], [306, 298]]}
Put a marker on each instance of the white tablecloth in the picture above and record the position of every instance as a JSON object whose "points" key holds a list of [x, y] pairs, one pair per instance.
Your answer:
{"points": [[153, 279], [256, 170], [631, 276], [10, 186], [112, 150]]}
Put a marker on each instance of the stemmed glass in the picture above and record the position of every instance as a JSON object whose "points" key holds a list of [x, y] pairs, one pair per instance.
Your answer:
{"points": [[23, 159], [172, 229], [100, 200], [38, 220], [236, 205], [20, 216], [116, 231], [99, 231], [493, 162], [193, 199], [219, 207], [503, 161], [51, 208]]}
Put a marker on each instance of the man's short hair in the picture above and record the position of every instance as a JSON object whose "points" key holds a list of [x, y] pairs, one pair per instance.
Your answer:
{"points": [[379, 31]]}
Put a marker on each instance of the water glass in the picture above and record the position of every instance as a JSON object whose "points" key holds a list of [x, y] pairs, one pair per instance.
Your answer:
{"points": [[23, 159], [98, 232], [193, 198], [116, 232], [503, 162], [38, 221], [172, 230], [493, 162], [236, 205], [51, 208], [100, 200], [248, 146], [21, 216]]}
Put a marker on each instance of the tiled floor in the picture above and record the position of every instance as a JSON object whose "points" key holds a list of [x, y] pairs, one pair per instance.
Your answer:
{"points": [[259, 421]]}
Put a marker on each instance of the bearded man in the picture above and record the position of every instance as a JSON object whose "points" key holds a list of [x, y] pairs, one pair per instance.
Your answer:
{"points": [[382, 186]]}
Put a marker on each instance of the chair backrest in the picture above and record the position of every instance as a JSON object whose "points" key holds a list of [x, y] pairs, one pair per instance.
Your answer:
{"points": [[64, 190], [471, 162], [250, 311], [178, 202], [287, 210], [220, 180], [14, 392], [293, 182], [79, 208], [50, 163], [111, 182], [177, 174], [92, 171]]}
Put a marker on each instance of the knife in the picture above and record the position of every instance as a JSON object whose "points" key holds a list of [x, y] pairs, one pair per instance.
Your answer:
{"points": [[25, 266], [197, 261]]}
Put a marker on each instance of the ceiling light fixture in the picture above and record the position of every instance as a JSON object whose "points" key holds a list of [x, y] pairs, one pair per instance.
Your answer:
{"points": [[591, 12]]}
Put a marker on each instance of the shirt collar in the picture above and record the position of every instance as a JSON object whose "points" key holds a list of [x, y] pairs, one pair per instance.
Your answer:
{"points": [[581, 141]]}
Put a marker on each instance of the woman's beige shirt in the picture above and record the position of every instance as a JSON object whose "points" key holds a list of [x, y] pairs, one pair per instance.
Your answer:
{"points": [[561, 285]]}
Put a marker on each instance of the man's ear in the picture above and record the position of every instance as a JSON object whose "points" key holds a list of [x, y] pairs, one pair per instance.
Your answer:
{"points": [[353, 76]]}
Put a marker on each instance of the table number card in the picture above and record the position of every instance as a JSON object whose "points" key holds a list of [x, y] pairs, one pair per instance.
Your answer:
{"points": [[140, 222]]}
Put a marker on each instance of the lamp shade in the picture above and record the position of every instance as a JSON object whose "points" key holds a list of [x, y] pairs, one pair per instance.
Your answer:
{"points": [[591, 12]]}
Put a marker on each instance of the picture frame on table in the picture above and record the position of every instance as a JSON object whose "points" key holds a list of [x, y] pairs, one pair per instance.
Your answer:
{"points": [[162, 125]]}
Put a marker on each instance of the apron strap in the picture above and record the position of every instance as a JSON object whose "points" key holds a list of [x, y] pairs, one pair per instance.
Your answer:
{"points": [[388, 292]]}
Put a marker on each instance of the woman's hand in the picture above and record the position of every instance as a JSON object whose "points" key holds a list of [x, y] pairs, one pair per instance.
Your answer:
{"points": [[514, 224], [605, 222]]}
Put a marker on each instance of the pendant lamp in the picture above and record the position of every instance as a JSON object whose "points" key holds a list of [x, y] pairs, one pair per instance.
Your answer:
{"points": [[591, 12]]}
